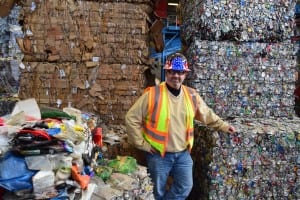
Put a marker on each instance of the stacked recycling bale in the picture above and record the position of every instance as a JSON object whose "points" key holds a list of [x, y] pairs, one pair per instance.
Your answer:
{"points": [[260, 161], [238, 20], [243, 64], [248, 79], [85, 53], [10, 54], [242, 56]]}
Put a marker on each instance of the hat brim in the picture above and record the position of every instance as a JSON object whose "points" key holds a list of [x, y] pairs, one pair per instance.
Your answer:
{"points": [[169, 68]]}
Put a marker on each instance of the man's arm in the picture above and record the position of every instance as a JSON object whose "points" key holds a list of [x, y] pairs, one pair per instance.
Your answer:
{"points": [[207, 116], [134, 122]]}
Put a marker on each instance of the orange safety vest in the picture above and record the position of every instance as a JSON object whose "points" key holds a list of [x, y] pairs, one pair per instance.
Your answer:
{"points": [[156, 126]]}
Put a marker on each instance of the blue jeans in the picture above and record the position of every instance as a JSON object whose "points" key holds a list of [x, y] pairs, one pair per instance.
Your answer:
{"points": [[177, 165]]}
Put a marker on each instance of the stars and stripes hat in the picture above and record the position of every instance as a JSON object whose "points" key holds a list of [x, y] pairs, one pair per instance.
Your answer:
{"points": [[177, 62]]}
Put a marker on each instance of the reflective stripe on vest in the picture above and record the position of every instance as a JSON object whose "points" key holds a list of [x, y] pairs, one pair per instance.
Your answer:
{"points": [[191, 104], [156, 126]]}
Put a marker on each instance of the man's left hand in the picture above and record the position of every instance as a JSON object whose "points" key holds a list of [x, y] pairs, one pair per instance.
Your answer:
{"points": [[231, 129]]}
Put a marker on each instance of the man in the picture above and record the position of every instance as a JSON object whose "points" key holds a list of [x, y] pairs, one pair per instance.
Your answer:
{"points": [[161, 124]]}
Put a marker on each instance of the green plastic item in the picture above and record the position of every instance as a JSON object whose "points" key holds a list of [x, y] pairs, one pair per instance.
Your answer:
{"points": [[103, 172], [55, 114], [123, 164]]}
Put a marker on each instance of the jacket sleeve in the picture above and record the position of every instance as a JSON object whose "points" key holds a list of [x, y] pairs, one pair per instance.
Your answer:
{"points": [[134, 120], [208, 117]]}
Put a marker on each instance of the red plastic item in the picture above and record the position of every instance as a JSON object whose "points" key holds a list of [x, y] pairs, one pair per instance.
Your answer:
{"points": [[37, 133], [161, 8], [82, 180], [97, 136], [1, 122]]}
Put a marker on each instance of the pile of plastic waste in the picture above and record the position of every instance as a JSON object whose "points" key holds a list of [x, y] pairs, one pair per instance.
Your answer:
{"points": [[50, 153]]}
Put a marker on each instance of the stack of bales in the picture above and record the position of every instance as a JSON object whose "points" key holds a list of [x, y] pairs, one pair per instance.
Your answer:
{"points": [[243, 65], [85, 54], [241, 54]]}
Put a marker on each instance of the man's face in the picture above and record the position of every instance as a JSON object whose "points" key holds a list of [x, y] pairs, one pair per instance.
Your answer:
{"points": [[175, 78]]}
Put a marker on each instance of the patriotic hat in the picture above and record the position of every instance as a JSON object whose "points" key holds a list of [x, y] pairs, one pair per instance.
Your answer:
{"points": [[177, 62]]}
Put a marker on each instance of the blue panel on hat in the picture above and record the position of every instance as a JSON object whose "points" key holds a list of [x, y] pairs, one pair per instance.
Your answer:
{"points": [[178, 64]]}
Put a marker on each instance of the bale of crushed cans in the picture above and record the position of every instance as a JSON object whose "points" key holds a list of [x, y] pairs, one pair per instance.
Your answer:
{"points": [[241, 55], [260, 161], [248, 79], [238, 20]]}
